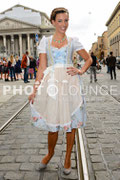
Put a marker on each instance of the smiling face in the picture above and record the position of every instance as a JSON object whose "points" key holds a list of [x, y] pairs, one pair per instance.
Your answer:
{"points": [[61, 22]]}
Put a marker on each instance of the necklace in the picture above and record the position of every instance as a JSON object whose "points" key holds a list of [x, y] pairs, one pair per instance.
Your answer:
{"points": [[59, 41]]}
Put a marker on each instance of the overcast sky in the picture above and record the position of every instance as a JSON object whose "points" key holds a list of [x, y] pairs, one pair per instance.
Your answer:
{"points": [[87, 17]]}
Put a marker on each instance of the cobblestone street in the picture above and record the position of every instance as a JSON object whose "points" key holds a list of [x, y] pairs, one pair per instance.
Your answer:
{"points": [[22, 146], [102, 133]]}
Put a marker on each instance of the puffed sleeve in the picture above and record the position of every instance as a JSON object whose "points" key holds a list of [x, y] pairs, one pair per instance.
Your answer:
{"points": [[77, 45], [42, 45]]}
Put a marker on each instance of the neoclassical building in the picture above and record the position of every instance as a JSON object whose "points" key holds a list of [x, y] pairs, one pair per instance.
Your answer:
{"points": [[20, 28], [113, 25]]}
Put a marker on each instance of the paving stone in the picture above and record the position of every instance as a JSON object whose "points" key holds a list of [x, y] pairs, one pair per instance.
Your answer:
{"points": [[27, 167], [107, 150], [21, 141], [2, 175], [22, 158], [44, 140], [103, 175], [55, 159], [116, 175], [31, 151], [50, 175], [9, 142], [7, 159], [108, 141], [94, 151], [31, 145], [5, 147], [92, 140], [32, 176], [13, 176], [111, 158], [96, 158], [4, 152], [9, 166], [90, 131], [35, 159], [43, 151], [114, 165], [17, 151], [99, 166], [116, 150], [91, 135], [52, 167], [93, 146], [58, 152], [110, 131]]}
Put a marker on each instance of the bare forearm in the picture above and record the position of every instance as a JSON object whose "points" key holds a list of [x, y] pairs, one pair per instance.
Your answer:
{"points": [[38, 79], [87, 64]]}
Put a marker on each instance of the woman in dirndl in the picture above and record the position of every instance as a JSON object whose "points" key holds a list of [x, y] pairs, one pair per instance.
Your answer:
{"points": [[57, 102]]}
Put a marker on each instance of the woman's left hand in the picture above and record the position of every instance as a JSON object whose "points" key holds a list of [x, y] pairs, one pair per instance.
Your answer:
{"points": [[73, 71]]}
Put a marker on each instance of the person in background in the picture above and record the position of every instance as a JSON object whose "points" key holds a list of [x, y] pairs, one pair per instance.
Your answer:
{"points": [[93, 67], [18, 70], [104, 62], [1, 68], [107, 64], [25, 65], [38, 62], [11, 65], [112, 64], [31, 68], [5, 69], [35, 67]]}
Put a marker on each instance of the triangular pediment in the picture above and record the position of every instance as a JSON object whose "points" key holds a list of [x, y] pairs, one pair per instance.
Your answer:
{"points": [[10, 23]]}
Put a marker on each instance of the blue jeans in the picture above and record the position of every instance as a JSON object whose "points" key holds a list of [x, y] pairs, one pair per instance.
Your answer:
{"points": [[108, 69], [26, 74], [12, 73]]}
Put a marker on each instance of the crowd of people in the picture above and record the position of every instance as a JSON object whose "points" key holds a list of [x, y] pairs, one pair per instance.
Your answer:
{"points": [[11, 68], [109, 61]]}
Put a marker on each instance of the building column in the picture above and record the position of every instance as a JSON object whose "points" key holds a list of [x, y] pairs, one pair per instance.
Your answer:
{"points": [[20, 44], [4, 41], [28, 43], [12, 44]]}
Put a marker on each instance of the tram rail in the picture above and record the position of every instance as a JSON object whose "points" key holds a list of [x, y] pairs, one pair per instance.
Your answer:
{"points": [[13, 117], [82, 166]]}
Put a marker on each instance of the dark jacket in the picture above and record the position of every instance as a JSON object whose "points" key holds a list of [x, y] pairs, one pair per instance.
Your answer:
{"points": [[112, 61], [94, 60]]}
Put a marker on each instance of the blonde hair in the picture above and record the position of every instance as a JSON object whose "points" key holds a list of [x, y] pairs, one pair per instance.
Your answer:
{"points": [[57, 11], [16, 58], [11, 58]]}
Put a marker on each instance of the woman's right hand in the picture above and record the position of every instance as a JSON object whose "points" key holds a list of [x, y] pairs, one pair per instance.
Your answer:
{"points": [[31, 98]]}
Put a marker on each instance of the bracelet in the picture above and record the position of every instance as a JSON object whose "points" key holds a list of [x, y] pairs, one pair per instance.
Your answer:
{"points": [[36, 85], [81, 72]]}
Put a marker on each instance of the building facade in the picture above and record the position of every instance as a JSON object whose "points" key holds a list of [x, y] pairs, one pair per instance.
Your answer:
{"points": [[113, 25], [20, 30], [100, 48]]}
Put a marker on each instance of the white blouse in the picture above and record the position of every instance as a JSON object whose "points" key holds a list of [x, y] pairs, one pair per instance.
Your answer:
{"points": [[42, 47]]}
